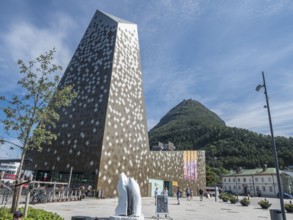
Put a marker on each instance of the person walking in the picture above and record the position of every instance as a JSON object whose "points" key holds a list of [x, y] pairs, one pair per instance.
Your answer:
{"points": [[201, 194], [187, 191], [165, 192], [191, 194], [156, 193], [178, 194], [89, 190]]}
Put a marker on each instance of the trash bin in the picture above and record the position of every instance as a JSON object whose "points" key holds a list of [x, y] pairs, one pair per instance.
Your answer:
{"points": [[81, 218], [276, 214]]}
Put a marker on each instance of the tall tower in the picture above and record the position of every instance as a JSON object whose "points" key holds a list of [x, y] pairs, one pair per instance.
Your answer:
{"points": [[103, 132], [107, 118]]}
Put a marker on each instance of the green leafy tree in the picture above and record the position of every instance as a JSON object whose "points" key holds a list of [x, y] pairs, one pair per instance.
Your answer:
{"points": [[213, 177], [29, 116]]}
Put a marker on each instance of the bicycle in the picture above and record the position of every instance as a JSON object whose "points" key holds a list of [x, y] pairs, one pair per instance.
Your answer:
{"points": [[38, 196]]}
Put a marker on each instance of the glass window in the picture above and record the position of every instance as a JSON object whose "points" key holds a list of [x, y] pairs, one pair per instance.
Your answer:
{"points": [[238, 179], [244, 180], [233, 179], [239, 187], [271, 189], [234, 187], [229, 180], [256, 179], [262, 179], [263, 188], [230, 187]]}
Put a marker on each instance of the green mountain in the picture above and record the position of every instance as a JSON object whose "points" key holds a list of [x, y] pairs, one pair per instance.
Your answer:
{"points": [[189, 111], [190, 125]]}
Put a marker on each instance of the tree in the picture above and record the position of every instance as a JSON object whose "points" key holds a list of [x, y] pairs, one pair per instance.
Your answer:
{"points": [[28, 117], [211, 177]]}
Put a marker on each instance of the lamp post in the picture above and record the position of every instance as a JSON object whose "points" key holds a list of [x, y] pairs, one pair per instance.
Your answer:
{"points": [[273, 146]]}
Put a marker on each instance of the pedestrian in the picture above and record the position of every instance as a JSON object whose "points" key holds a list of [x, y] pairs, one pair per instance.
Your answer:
{"points": [[82, 190], [201, 194], [187, 191], [156, 193], [191, 194], [61, 192], [61, 189], [178, 194], [89, 190], [17, 215], [165, 192]]}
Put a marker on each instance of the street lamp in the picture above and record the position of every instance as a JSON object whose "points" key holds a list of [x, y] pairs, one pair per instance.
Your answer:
{"points": [[273, 145]]}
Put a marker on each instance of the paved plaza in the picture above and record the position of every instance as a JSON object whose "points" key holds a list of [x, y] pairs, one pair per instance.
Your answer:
{"points": [[208, 209]]}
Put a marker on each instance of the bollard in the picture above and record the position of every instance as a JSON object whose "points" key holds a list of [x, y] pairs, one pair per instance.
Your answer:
{"points": [[276, 214]]}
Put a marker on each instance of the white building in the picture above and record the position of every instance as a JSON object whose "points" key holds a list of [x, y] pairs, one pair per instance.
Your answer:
{"points": [[260, 181], [8, 170]]}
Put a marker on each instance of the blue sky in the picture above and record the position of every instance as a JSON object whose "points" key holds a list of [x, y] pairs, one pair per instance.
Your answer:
{"points": [[209, 51]]}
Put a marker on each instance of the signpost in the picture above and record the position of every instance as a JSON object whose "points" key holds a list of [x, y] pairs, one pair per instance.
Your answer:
{"points": [[162, 205]]}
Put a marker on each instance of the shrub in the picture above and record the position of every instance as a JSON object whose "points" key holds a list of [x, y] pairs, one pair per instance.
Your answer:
{"points": [[233, 199], [245, 201], [225, 196], [31, 214], [289, 207], [264, 203], [5, 214], [220, 196]]}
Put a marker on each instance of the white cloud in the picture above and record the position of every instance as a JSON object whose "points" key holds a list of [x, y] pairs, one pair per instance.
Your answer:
{"points": [[254, 117], [250, 9], [27, 41]]}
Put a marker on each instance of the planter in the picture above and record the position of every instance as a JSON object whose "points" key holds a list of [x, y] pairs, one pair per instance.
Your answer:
{"points": [[289, 207], [264, 204], [233, 199], [289, 210], [245, 202], [225, 199]]}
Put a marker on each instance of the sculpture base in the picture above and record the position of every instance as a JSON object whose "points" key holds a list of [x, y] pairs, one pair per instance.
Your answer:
{"points": [[117, 217]]}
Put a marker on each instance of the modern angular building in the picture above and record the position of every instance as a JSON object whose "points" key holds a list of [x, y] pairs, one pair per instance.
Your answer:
{"points": [[103, 132]]}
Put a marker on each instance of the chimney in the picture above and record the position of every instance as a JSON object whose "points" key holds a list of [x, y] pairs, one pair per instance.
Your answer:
{"points": [[264, 167]]}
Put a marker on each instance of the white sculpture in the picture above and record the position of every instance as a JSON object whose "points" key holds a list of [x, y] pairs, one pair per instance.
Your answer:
{"points": [[129, 201], [136, 197], [121, 208]]}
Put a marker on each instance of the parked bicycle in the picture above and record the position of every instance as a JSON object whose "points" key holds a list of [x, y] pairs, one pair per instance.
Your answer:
{"points": [[38, 196]]}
